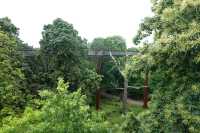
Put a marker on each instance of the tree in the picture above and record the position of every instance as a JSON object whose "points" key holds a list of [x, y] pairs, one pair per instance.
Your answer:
{"points": [[61, 48], [123, 71], [111, 75], [7, 26], [12, 92], [98, 44], [133, 49], [115, 43], [105, 65], [12, 32], [64, 54], [175, 55]]}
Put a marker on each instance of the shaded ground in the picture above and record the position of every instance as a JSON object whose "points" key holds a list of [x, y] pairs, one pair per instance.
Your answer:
{"points": [[111, 107], [129, 100]]}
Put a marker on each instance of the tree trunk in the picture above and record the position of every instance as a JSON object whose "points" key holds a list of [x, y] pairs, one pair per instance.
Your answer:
{"points": [[98, 97], [125, 95], [145, 99]]}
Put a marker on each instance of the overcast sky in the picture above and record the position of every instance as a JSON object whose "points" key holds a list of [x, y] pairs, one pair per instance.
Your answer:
{"points": [[92, 18]]}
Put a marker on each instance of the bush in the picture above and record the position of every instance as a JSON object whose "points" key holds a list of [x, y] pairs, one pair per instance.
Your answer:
{"points": [[61, 112]]}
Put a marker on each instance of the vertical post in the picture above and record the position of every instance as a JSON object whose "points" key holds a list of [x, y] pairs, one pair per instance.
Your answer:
{"points": [[145, 98], [125, 94]]}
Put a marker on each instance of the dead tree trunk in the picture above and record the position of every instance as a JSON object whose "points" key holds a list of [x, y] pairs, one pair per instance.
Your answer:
{"points": [[124, 74], [125, 94], [145, 98]]}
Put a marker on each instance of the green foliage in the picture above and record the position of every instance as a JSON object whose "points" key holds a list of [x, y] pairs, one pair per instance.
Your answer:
{"points": [[14, 88], [89, 81], [138, 65], [133, 49], [113, 113], [98, 44], [7, 26], [61, 112], [12, 32], [63, 53], [12, 92], [112, 78], [32, 67], [173, 61], [131, 124], [173, 57], [115, 43]]}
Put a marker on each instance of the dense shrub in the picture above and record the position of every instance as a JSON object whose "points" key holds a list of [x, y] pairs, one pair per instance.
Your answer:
{"points": [[61, 112]]}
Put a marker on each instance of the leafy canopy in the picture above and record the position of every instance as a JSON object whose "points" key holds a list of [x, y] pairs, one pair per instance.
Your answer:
{"points": [[64, 53], [174, 54]]}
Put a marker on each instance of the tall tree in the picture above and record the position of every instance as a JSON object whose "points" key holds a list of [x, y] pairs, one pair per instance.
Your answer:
{"points": [[63, 50], [64, 53], [13, 92], [111, 76], [12, 87]]}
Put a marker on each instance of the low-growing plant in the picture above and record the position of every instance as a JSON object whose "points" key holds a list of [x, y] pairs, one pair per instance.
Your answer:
{"points": [[62, 112]]}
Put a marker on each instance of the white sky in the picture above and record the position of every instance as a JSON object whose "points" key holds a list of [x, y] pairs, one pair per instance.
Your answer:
{"points": [[92, 18]]}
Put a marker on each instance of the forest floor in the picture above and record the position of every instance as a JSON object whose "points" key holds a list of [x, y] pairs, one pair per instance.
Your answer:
{"points": [[112, 110], [129, 100]]}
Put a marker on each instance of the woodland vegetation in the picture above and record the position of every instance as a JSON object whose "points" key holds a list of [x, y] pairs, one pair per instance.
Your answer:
{"points": [[52, 89]]}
